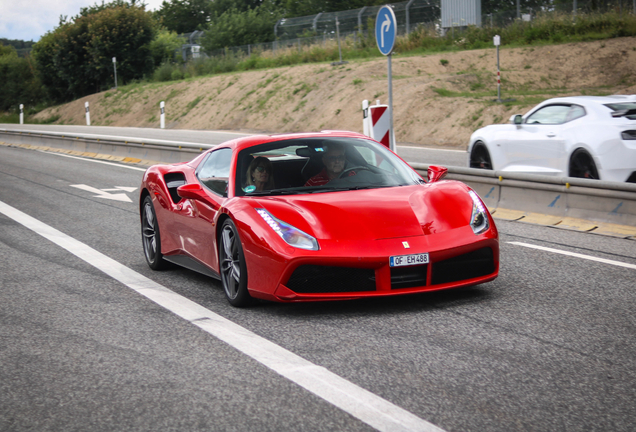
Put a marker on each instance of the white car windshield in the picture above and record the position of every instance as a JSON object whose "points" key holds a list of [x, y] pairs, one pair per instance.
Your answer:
{"points": [[311, 165]]}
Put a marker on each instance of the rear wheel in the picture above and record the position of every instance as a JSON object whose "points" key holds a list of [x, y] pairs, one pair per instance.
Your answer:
{"points": [[479, 157], [150, 237], [582, 165], [233, 267]]}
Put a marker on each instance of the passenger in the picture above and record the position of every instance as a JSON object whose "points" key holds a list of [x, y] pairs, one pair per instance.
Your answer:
{"points": [[334, 164], [259, 175]]}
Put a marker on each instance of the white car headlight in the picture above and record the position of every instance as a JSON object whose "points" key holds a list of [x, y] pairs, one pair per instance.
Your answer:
{"points": [[292, 235], [479, 217]]}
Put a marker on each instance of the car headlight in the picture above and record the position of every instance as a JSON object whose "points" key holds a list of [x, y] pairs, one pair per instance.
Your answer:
{"points": [[479, 217], [292, 235]]}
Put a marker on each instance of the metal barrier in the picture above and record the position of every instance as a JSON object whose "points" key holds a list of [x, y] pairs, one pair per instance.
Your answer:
{"points": [[139, 148], [545, 197], [533, 198]]}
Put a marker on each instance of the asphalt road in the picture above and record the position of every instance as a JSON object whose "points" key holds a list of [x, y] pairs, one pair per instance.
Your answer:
{"points": [[548, 346], [408, 152]]}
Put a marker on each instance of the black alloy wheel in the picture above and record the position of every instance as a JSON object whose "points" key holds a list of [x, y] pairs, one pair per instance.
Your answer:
{"points": [[582, 165], [233, 267], [150, 236], [479, 157]]}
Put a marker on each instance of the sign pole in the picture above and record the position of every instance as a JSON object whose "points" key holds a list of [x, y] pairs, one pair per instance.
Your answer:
{"points": [[390, 79], [385, 35]]}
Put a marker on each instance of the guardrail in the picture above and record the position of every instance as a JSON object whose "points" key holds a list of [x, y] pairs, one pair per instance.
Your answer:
{"points": [[140, 148], [549, 200], [568, 202]]}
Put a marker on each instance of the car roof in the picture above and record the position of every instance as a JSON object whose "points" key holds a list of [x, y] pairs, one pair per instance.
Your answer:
{"points": [[599, 100], [252, 140]]}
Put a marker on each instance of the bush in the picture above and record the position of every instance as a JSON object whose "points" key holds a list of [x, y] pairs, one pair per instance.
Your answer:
{"points": [[165, 47], [163, 72], [18, 82], [176, 74]]}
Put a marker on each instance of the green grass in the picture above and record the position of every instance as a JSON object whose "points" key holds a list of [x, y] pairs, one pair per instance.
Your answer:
{"points": [[14, 118]]}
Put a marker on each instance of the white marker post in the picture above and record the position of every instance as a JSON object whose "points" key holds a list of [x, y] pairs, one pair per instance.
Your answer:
{"points": [[88, 114], [497, 42], [21, 114], [162, 108], [115, 67]]}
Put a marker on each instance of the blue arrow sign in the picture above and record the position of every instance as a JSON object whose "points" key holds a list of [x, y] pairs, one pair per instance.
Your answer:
{"points": [[385, 30]]}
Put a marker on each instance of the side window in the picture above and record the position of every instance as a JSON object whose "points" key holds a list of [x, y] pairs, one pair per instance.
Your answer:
{"points": [[214, 172], [551, 114], [576, 111]]}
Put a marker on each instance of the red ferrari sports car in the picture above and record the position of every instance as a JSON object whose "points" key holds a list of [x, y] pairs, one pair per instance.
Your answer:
{"points": [[315, 216]]}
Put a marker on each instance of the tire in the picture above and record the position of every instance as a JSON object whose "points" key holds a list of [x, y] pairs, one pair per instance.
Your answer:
{"points": [[232, 266], [479, 157], [150, 238], [582, 165]]}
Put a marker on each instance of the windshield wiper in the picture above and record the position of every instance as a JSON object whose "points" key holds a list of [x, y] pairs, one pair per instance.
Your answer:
{"points": [[275, 192]]}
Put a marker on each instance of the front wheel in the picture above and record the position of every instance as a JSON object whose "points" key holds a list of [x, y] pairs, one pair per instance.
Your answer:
{"points": [[232, 266], [582, 165], [151, 240], [479, 157]]}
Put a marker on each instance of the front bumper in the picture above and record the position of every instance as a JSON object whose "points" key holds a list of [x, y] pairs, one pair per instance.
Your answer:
{"points": [[351, 270]]}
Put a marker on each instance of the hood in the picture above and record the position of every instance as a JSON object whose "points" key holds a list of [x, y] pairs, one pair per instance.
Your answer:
{"points": [[375, 214]]}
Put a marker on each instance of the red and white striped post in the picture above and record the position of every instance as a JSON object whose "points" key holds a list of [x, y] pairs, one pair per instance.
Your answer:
{"points": [[497, 42], [377, 122]]}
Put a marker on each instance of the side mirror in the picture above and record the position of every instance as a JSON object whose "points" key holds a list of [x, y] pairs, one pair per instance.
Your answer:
{"points": [[192, 191], [436, 173], [516, 119]]}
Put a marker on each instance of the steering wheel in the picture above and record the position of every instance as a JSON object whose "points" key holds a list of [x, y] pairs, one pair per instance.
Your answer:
{"points": [[348, 170]]}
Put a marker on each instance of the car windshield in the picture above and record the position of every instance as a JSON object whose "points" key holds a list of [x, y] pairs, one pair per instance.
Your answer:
{"points": [[316, 165], [623, 106]]}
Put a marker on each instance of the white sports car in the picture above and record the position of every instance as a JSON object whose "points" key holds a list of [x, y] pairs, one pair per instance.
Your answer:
{"points": [[581, 136]]}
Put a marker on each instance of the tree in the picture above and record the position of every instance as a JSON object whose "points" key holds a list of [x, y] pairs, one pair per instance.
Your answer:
{"points": [[76, 58], [164, 45], [499, 6], [18, 81], [185, 16], [235, 28], [295, 8]]}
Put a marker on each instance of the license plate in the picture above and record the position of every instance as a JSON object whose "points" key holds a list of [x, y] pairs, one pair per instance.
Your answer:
{"points": [[408, 260]]}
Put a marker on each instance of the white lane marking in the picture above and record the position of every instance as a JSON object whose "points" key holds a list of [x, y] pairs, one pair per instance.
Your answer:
{"points": [[577, 255], [360, 403], [96, 161], [434, 149], [103, 193]]}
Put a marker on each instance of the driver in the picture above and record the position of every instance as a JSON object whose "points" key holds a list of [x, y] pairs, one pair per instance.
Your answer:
{"points": [[334, 162]]}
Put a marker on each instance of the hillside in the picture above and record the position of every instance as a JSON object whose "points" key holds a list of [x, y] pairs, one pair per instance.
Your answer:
{"points": [[434, 103]]}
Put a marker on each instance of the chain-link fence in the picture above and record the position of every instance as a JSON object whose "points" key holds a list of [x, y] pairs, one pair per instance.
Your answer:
{"points": [[321, 29], [574, 7], [407, 14], [308, 31]]}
